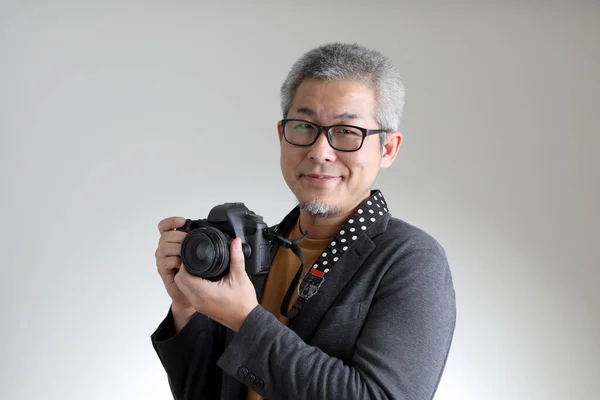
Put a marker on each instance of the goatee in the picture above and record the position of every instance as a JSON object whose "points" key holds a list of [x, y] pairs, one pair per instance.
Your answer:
{"points": [[318, 209]]}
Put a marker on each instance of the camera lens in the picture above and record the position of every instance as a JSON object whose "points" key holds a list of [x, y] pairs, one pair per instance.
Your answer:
{"points": [[205, 253]]}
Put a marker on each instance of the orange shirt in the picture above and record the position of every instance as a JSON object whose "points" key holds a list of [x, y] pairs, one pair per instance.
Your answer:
{"points": [[283, 268]]}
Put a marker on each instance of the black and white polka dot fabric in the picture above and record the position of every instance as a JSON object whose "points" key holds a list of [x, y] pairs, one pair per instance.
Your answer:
{"points": [[365, 215]]}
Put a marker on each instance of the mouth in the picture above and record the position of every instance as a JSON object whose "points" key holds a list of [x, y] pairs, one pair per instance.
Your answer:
{"points": [[320, 176], [320, 179]]}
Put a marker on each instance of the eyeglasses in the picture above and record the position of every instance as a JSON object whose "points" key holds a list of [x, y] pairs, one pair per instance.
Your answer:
{"points": [[341, 137]]}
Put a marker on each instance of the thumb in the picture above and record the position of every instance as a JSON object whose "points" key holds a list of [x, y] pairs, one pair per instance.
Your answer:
{"points": [[237, 267]]}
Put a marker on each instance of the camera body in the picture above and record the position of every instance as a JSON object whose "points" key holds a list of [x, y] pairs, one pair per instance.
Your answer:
{"points": [[205, 248]]}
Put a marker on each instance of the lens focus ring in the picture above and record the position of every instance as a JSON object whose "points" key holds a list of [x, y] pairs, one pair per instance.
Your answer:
{"points": [[205, 253]]}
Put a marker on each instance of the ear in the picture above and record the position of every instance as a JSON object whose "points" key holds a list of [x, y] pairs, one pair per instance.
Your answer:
{"points": [[390, 148], [280, 131]]}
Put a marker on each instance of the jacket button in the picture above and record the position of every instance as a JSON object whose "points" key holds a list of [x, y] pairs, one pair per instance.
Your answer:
{"points": [[258, 384], [250, 378], [242, 372]]}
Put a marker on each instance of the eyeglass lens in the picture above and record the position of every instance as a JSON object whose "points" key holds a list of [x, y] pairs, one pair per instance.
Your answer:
{"points": [[342, 137]]}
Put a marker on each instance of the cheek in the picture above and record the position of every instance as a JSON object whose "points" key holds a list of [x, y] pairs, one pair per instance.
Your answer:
{"points": [[361, 168], [355, 166], [288, 160]]}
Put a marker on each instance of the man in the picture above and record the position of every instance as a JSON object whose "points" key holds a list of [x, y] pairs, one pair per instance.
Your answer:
{"points": [[373, 314]]}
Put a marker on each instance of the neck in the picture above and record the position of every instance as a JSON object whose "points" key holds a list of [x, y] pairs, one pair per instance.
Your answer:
{"points": [[322, 228]]}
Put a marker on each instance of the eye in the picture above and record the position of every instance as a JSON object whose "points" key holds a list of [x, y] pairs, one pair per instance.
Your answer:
{"points": [[303, 126], [346, 131]]}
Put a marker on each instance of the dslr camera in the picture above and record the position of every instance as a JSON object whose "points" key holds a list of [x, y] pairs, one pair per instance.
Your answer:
{"points": [[205, 248]]}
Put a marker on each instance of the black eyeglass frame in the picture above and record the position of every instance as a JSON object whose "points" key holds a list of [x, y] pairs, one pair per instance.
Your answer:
{"points": [[365, 133]]}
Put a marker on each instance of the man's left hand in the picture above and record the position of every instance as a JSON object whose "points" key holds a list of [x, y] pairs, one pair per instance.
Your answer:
{"points": [[228, 300]]}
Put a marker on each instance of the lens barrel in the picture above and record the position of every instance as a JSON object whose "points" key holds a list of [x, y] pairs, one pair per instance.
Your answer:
{"points": [[205, 253]]}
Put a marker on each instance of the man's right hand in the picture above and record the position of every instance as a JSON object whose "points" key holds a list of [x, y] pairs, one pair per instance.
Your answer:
{"points": [[168, 262]]}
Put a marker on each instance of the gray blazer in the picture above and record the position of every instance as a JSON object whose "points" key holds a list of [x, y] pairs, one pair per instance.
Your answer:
{"points": [[380, 327]]}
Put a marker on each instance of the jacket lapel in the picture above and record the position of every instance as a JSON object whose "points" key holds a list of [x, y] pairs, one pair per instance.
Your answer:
{"points": [[346, 265], [315, 308]]}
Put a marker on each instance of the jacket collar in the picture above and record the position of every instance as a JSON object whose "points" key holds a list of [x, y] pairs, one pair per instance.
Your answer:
{"points": [[350, 254], [376, 200]]}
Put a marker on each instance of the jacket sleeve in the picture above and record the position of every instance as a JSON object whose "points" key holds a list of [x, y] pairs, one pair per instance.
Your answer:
{"points": [[189, 357], [400, 353]]}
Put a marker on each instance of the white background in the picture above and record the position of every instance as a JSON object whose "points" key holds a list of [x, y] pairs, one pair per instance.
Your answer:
{"points": [[116, 115]]}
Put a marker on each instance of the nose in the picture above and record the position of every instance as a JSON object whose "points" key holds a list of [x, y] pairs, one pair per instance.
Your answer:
{"points": [[321, 151]]}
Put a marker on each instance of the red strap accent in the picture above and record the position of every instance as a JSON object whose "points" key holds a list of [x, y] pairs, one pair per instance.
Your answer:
{"points": [[316, 272]]}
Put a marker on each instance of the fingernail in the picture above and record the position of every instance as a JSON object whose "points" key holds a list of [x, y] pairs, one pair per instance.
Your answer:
{"points": [[238, 245]]}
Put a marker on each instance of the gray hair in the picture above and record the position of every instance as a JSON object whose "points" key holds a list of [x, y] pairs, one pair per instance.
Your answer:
{"points": [[340, 61]]}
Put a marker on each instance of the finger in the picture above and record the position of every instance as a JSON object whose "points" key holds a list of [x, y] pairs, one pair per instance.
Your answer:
{"points": [[182, 281], [177, 281], [168, 224], [168, 249], [167, 265], [237, 265], [197, 290], [172, 237]]}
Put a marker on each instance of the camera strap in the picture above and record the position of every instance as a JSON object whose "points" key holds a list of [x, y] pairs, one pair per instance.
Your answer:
{"points": [[293, 246], [365, 215]]}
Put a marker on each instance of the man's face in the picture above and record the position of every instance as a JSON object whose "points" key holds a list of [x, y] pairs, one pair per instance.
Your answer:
{"points": [[339, 180]]}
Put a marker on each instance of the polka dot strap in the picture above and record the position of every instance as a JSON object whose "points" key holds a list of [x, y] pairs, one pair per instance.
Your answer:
{"points": [[365, 215]]}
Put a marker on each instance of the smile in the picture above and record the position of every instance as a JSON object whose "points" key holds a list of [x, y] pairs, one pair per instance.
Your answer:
{"points": [[320, 180]]}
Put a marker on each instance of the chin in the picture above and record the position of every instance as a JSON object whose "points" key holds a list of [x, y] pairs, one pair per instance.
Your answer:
{"points": [[319, 208]]}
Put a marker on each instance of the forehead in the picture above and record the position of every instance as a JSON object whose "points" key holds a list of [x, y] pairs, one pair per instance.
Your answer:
{"points": [[333, 100]]}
